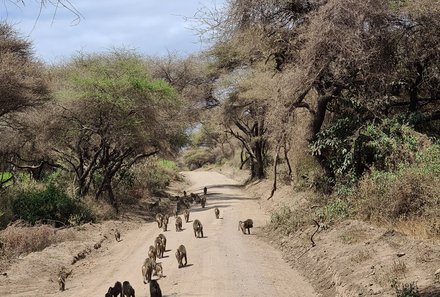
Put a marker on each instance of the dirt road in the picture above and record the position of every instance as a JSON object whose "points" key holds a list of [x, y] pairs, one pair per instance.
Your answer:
{"points": [[223, 263]]}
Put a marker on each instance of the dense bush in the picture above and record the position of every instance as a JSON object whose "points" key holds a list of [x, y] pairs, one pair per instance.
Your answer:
{"points": [[350, 148], [196, 158], [50, 203]]}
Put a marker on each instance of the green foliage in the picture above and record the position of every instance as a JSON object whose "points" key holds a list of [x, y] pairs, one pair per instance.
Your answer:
{"points": [[349, 148], [160, 174], [196, 158], [336, 210], [279, 217], [120, 78], [50, 203]]}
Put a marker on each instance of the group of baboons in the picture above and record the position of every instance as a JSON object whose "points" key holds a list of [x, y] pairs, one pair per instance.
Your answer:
{"points": [[156, 251]]}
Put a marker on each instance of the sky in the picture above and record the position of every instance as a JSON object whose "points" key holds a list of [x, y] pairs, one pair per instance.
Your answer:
{"points": [[151, 27]]}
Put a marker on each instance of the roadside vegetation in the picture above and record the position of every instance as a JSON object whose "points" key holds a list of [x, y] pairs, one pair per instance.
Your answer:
{"points": [[338, 98]]}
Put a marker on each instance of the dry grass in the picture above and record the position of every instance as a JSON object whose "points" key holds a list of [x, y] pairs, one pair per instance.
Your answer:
{"points": [[23, 240], [361, 256]]}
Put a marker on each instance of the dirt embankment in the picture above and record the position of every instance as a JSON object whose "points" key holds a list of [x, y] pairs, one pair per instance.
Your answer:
{"points": [[354, 258]]}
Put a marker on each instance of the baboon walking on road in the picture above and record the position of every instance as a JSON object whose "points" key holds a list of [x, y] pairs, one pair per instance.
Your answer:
{"points": [[178, 224], [203, 201], [198, 229], [63, 274], [127, 289], [186, 215], [248, 224], [217, 213], [117, 235], [165, 222], [155, 289], [159, 219], [205, 190], [180, 255], [147, 269]]}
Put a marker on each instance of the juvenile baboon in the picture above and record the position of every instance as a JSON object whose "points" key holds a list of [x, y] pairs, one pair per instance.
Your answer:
{"points": [[158, 270], [180, 255], [117, 289], [117, 235], [147, 269], [217, 212], [198, 229], [205, 190], [159, 247], [248, 224], [165, 222], [62, 282], [155, 289], [203, 201], [63, 274], [152, 253], [178, 224], [186, 215], [164, 240], [159, 218], [109, 292], [127, 289]]}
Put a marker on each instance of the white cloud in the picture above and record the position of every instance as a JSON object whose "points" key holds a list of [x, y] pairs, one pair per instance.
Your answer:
{"points": [[150, 26]]}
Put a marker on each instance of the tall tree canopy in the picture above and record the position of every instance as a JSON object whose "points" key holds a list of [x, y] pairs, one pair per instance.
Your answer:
{"points": [[110, 114]]}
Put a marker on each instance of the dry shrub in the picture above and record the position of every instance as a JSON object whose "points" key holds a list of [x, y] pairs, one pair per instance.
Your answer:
{"points": [[24, 240], [399, 195]]}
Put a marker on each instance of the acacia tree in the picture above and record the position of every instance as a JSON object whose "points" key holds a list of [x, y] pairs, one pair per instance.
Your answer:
{"points": [[110, 115], [23, 87], [363, 59]]}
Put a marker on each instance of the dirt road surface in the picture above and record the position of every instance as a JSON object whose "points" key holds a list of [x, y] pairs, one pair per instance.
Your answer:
{"points": [[223, 263]]}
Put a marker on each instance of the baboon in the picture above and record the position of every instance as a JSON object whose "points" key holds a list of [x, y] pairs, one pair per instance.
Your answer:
{"points": [[186, 215], [127, 289], [63, 274], [147, 269], [198, 229], [109, 292], [155, 289], [158, 270], [159, 218], [164, 240], [117, 235], [178, 224], [165, 222], [195, 197], [180, 255], [62, 282], [217, 213], [152, 253], [203, 201], [205, 190], [117, 289], [184, 193], [159, 247], [248, 224]]}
